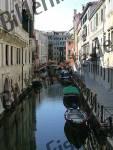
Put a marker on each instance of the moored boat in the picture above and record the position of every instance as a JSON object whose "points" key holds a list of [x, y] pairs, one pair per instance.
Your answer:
{"points": [[64, 77], [76, 116], [71, 90], [71, 96]]}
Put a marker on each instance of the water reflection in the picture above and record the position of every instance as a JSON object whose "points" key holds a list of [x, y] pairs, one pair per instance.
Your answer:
{"points": [[70, 101], [41, 125], [76, 135], [17, 128], [50, 118], [52, 131]]}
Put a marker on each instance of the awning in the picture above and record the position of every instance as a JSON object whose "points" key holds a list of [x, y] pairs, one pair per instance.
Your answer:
{"points": [[71, 90]]}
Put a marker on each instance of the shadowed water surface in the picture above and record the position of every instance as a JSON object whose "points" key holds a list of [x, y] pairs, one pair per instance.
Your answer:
{"points": [[39, 124], [50, 120]]}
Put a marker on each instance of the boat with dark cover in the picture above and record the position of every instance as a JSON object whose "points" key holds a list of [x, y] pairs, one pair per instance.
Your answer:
{"points": [[71, 96]]}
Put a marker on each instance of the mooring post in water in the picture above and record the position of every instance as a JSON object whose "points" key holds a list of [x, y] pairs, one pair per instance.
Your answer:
{"points": [[91, 98], [88, 95], [102, 113], [95, 102], [98, 109], [110, 122]]}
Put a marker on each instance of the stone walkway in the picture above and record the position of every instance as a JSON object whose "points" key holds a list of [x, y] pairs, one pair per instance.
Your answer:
{"points": [[104, 96]]}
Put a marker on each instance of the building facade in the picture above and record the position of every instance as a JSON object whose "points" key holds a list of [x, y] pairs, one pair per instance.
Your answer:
{"points": [[15, 48], [95, 40], [76, 26], [103, 43], [42, 47], [87, 10], [57, 46]]}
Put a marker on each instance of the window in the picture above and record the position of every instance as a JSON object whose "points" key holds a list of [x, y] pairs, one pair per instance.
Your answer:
{"points": [[91, 25], [108, 74], [17, 56], [7, 53], [104, 73], [109, 36], [91, 67], [29, 72], [112, 38], [96, 19], [25, 57], [2, 55], [102, 15], [7, 5], [101, 71], [84, 19], [104, 37], [11, 55], [98, 69]]}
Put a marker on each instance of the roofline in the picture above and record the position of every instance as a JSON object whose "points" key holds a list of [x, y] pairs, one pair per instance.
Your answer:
{"points": [[86, 8], [96, 8]]}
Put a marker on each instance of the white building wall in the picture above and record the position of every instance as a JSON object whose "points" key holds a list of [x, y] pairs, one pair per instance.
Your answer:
{"points": [[43, 46], [85, 43], [97, 31], [58, 39], [17, 38]]}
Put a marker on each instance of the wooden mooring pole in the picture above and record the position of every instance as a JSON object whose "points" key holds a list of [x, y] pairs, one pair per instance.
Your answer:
{"points": [[102, 114], [95, 103], [110, 122]]}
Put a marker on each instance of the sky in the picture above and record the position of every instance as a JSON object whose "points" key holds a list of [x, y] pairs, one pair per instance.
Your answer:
{"points": [[59, 17]]}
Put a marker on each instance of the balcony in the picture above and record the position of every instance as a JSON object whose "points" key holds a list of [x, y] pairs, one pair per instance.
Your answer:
{"points": [[20, 32]]}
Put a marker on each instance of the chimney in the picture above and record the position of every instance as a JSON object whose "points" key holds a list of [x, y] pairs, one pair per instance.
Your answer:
{"points": [[83, 7], [75, 12]]}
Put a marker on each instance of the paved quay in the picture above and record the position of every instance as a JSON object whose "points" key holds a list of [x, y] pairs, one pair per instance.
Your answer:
{"points": [[104, 96]]}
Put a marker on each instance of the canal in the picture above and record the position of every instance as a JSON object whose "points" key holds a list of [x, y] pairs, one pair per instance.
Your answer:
{"points": [[38, 123]]}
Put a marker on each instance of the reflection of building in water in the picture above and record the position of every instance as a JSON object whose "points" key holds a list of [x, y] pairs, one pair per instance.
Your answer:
{"points": [[76, 135], [16, 129], [83, 137], [93, 143]]}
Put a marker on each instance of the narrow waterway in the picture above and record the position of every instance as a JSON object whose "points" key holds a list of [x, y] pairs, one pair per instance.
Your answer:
{"points": [[38, 123], [52, 131], [50, 119]]}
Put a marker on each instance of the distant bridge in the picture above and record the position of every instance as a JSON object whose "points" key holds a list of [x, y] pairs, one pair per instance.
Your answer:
{"points": [[45, 65]]}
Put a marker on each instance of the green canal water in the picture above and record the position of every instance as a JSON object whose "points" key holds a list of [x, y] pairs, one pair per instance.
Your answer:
{"points": [[38, 123]]}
